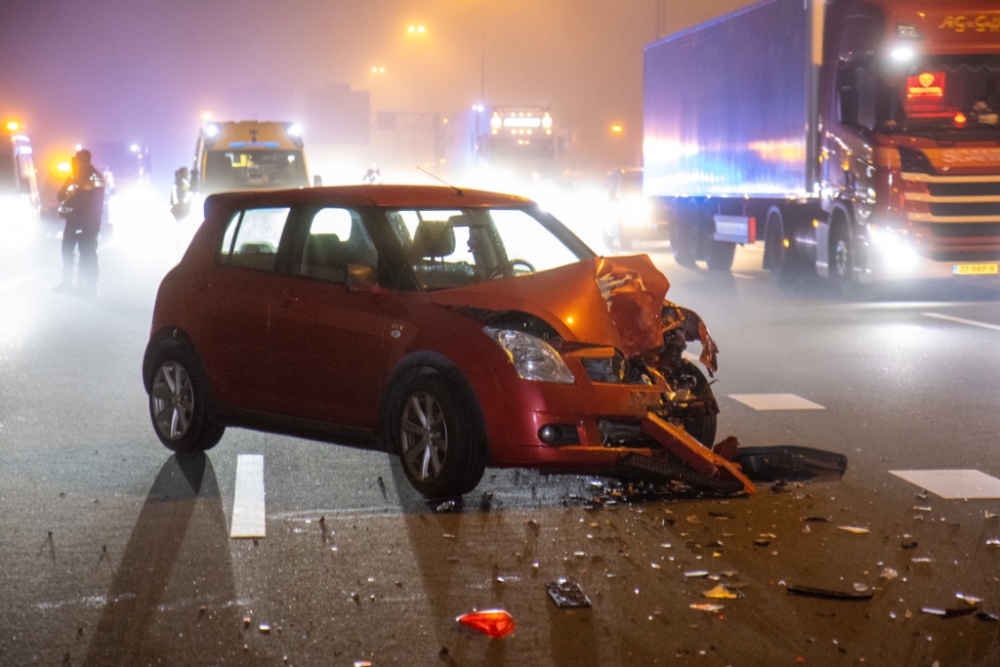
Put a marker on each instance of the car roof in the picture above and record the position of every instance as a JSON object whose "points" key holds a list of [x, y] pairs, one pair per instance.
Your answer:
{"points": [[387, 196]]}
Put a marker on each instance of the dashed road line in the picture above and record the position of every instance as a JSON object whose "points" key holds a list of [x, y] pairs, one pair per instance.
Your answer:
{"points": [[248, 504], [761, 402], [953, 484], [960, 320]]}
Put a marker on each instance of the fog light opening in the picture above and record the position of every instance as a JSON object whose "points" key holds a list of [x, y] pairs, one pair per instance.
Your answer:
{"points": [[559, 434]]}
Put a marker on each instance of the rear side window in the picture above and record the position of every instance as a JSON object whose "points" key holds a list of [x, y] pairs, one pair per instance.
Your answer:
{"points": [[252, 238]]}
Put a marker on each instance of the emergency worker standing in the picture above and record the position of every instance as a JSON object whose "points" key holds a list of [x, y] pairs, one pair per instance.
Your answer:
{"points": [[82, 197]]}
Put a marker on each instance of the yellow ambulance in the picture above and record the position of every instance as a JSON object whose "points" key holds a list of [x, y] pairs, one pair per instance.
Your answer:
{"points": [[249, 155]]}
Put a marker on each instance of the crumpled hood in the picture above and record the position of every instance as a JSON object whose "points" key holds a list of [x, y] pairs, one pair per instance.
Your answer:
{"points": [[608, 301]]}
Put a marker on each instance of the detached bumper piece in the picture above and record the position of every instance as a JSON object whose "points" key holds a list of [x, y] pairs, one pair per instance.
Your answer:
{"points": [[791, 463], [701, 459]]}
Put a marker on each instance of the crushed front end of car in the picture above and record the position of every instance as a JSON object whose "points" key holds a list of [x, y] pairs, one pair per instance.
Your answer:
{"points": [[601, 383]]}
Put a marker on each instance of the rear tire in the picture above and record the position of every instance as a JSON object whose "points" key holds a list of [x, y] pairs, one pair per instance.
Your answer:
{"points": [[434, 437], [720, 255], [682, 245], [784, 265], [180, 403]]}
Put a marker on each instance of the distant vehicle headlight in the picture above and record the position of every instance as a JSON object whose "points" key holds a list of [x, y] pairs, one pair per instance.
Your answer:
{"points": [[532, 357]]}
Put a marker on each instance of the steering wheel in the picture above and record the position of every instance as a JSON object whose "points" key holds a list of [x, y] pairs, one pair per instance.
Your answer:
{"points": [[510, 264]]}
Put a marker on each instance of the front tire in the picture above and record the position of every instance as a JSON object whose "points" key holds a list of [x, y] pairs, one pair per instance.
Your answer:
{"points": [[180, 403], [434, 437], [702, 429], [842, 262]]}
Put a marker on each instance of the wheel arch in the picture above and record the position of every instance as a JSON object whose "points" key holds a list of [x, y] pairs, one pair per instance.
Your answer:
{"points": [[164, 339], [421, 363]]}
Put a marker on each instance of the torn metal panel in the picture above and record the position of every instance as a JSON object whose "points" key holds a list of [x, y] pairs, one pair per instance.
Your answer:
{"points": [[689, 450]]}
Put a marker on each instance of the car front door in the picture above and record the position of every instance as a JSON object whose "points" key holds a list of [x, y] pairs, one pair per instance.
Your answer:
{"points": [[326, 336]]}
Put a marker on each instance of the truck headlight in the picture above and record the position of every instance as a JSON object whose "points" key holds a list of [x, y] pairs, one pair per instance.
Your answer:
{"points": [[532, 357]]}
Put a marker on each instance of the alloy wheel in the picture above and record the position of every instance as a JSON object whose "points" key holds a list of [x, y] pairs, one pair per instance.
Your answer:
{"points": [[424, 436], [173, 400]]}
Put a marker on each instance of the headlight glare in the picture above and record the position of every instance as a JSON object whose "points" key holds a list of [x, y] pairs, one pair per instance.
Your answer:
{"points": [[532, 357]]}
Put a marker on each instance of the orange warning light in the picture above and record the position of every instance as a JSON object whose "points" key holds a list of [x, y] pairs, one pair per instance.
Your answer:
{"points": [[960, 119]]}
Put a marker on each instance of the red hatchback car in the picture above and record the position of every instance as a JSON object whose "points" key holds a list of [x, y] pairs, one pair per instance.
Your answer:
{"points": [[456, 328]]}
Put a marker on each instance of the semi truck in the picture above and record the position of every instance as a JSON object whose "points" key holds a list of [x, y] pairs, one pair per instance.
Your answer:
{"points": [[519, 140], [858, 139], [19, 199], [246, 155]]}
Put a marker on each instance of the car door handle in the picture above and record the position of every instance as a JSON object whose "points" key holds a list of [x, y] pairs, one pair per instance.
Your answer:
{"points": [[287, 299]]}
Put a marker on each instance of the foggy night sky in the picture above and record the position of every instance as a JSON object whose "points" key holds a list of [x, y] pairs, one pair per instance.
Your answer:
{"points": [[80, 71]]}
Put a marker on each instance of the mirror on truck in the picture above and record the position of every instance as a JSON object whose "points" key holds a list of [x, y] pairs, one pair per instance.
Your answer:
{"points": [[857, 95]]}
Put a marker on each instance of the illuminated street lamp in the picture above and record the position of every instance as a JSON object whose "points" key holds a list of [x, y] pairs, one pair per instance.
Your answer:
{"points": [[378, 70], [617, 129], [414, 29]]}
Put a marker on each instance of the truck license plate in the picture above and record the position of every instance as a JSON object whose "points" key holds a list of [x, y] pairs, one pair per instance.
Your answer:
{"points": [[975, 269]]}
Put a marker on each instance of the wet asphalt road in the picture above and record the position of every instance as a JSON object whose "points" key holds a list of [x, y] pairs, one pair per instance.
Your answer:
{"points": [[115, 552]]}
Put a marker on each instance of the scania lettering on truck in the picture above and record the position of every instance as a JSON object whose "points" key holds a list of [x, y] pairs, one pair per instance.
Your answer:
{"points": [[19, 200], [859, 139], [249, 155]]}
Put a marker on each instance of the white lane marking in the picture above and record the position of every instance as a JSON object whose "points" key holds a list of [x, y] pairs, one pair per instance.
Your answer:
{"points": [[741, 275], [776, 402], [248, 504], [973, 323], [20, 280], [953, 484]]}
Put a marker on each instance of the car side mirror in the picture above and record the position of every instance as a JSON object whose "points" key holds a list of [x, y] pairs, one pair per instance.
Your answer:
{"points": [[317, 181], [360, 278]]}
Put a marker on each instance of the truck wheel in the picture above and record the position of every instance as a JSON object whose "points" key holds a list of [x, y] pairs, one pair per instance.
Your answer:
{"points": [[842, 262], [781, 260], [434, 437], [682, 246], [720, 255]]}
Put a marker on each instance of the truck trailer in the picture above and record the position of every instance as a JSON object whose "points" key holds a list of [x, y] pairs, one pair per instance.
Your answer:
{"points": [[859, 139]]}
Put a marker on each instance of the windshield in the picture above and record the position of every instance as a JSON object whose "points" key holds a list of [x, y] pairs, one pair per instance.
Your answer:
{"points": [[944, 92], [239, 170], [451, 248]]}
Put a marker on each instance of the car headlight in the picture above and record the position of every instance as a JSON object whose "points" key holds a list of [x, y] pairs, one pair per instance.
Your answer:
{"points": [[533, 358]]}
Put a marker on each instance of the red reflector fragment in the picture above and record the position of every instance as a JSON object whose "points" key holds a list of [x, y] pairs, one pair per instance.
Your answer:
{"points": [[495, 623]]}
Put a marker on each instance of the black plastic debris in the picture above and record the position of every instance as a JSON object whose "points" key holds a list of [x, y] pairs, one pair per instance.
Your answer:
{"points": [[567, 594], [640, 468], [960, 611], [828, 593], [989, 618], [789, 462], [909, 544]]}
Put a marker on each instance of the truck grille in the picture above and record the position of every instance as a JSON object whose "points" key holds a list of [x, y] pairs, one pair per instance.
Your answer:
{"points": [[966, 200]]}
